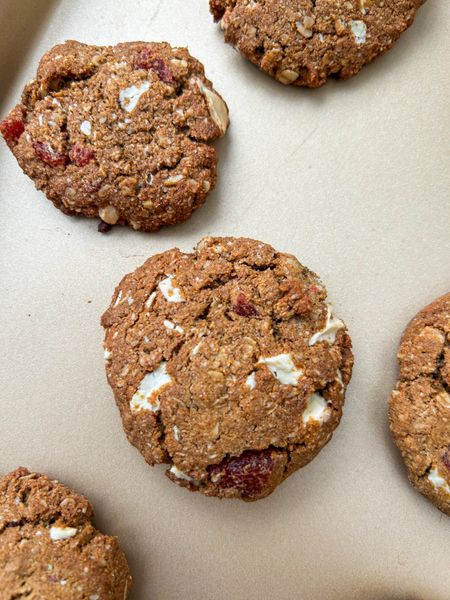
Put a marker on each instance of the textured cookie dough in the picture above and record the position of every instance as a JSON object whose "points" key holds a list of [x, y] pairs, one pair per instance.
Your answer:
{"points": [[419, 407], [227, 364], [303, 42], [49, 548], [119, 132]]}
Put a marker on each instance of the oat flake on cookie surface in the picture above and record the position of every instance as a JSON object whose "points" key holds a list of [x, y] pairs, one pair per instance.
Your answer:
{"points": [[419, 407], [49, 547], [119, 132], [303, 42], [227, 364]]}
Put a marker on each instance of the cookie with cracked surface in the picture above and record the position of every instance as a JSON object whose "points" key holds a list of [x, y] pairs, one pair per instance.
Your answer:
{"points": [[119, 132], [227, 364], [49, 547], [419, 407], [300, 42]]}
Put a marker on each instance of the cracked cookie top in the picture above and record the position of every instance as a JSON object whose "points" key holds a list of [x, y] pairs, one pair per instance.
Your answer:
{"points": [[120, 132], [49, 547], [419, 407], [303, 42], [227, 364]]}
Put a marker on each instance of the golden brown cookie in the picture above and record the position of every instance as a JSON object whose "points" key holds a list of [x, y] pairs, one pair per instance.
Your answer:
{"points": [[227, 364], [301, 42], [49, 548], [120, 132], [419, 407]]}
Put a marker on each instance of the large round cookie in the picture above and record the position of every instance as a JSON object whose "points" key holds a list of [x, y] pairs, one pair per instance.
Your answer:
{"points": [[226, 364], [49, 547], [120, 132], [419, 407], [301, 42]]}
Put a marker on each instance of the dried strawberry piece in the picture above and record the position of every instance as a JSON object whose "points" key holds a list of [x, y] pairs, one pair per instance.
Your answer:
{"points": [[48, 155], [11, 129], [146, 59], [142, 60], [80, 155], [248, 473], [446, 458], [314, 288], [243, 308], [103, 227]]}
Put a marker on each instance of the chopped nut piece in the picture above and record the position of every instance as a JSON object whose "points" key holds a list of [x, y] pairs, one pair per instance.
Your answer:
{"points": [[339, 25], [287, 76], [217, 107], [109, 214]]}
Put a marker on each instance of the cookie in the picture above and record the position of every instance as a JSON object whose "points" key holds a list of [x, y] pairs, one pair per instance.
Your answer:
{"points": [[119, 132], [49, 547], [300, 42], [227, 364], [419, 407]]}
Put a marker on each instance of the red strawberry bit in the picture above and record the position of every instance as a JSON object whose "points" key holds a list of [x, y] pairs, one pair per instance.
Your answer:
{"points": [[142, 60], [146, 59], [314, 288], [248, 473], [103, 227], [243, 308], [80, 155], [446, 458], [12, 129], [48, 155]]}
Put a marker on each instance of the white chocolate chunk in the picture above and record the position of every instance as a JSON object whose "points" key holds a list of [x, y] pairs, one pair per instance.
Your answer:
{"points": [[359, 31], [169, 291], [129, 97], [217, 107], [62, 533], [85, 127], [179, 62], [107, 355], [176, 433], [438, 481], [316, 409], [251, 381], [195, 349], [172, 327], [147, 396], [180, 475], [118, 299], [150, 299], [328, 333], [282, 367], [171, 181]]}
